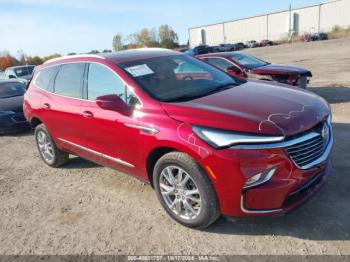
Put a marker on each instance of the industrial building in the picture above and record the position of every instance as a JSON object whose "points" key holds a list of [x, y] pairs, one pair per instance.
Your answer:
{"points": [[274, 26]]}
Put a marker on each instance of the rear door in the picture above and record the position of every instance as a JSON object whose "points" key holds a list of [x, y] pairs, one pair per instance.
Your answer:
{"points": [[62, 104]]}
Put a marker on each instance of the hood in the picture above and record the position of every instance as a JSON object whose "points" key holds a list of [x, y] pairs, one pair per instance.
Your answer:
{"points": [[12, 104], [254, 107], [281, 70]]}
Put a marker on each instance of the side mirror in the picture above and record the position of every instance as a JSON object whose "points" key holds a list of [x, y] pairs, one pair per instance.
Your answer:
{"points": [[234, 69], [113, 103], [12, 77]]}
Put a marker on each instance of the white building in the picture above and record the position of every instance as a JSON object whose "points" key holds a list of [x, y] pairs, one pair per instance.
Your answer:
{"points": [[274, 26]]}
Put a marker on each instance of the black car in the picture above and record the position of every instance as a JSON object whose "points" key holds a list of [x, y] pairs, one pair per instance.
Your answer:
{"points": [[11, 107], [21, 73], [203, 49], [240, 46]]}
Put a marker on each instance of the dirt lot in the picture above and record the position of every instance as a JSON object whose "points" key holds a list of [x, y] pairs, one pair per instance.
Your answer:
{"points": [[83, 208]]}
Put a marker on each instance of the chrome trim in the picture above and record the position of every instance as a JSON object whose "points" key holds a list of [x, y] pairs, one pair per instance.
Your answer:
{"points": [[149, 130], [117, 160], [222, 139], [262, 211], [281, 144]]}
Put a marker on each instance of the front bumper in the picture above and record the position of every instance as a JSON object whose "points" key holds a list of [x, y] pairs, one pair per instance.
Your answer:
{"points": [[13, 123], [258, 199], [290, 186]]}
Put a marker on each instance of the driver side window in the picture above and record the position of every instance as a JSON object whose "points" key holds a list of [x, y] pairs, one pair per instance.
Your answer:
{"points": [[102, 81]]}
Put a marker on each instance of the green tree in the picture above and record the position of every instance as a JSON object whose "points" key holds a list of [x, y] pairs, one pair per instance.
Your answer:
{"points": [[46, 58], [167, 37], [36, 60], [143, 37], [117, 44]]}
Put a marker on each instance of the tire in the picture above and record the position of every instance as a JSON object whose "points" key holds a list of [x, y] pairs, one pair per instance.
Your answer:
{"points": [[49, 153], [204, 204]]}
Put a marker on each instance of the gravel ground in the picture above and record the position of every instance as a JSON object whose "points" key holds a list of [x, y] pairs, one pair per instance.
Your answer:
{"points": [[84, 208]]}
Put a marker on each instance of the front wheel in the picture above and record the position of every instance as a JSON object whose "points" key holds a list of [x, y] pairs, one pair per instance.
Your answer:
{"points": [[185, 191]]}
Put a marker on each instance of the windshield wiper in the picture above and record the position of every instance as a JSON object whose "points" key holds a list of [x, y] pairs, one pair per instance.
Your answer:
{"points": [[215, 90], [222, 87]]}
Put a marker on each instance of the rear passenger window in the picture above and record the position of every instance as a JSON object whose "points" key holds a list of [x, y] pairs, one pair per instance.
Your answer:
{"points": [[102, 81], [69, 80], [44, 80]]}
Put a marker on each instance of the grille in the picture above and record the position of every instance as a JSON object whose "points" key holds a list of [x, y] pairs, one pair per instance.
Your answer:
{"points": [[308, 151]]}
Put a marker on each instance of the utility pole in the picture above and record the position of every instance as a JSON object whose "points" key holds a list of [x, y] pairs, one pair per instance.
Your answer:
{"points": [[223, 32], [267, 27], [290, 23], [319, 17]]}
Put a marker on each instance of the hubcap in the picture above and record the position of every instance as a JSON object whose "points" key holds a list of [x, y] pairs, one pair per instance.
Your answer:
{"points": [[45, 147], [180, 192]]}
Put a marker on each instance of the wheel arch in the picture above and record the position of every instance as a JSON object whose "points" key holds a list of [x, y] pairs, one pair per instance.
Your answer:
{"points": [[153, 157], [34, 122], [156, 153]]}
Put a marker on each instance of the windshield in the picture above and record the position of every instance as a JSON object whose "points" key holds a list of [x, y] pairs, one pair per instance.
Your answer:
{"points": [[177, 77], [11, 89], [23, 71], [247, 60]]}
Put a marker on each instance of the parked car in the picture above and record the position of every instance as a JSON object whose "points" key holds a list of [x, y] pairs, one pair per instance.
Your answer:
{"points": [[201, 49], [247, 66], [11, 107], [21, 73], [208, 143], [225, 47], [240, 46], [319, 37], [314, 37], [266, 43], [252, 44]]}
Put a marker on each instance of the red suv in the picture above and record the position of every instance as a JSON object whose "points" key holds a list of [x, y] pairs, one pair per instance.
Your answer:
{"points": [[208, 143]]}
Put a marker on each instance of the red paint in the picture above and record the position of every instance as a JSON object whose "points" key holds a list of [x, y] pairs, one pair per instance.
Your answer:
{"points": [[291, 72], [243, 108]]}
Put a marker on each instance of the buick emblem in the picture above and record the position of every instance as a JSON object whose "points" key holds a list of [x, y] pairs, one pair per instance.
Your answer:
{"points": [[324, 132]]}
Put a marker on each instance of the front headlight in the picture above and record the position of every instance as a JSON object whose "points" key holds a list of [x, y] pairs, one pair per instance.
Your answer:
{"points": [[222, 138], [5, 113]]}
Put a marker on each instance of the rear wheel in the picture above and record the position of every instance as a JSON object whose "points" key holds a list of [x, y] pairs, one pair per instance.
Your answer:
{"points": [[185, 191], [48, 150]]}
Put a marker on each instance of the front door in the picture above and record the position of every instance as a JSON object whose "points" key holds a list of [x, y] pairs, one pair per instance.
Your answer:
{"points": [[108, 134]]}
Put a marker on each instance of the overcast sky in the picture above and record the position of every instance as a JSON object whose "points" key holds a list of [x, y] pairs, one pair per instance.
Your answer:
{"points": [[42, 27]]}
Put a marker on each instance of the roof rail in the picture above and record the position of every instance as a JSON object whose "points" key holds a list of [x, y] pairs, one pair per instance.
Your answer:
{"points": [[72, 56]]}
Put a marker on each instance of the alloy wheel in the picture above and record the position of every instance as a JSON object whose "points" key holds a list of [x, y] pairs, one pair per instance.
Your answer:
{"points": [[180, 192], [45, 147]]}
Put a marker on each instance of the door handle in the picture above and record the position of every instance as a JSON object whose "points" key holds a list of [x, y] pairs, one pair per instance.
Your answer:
{"points": [[46, 105], [87, 114]]}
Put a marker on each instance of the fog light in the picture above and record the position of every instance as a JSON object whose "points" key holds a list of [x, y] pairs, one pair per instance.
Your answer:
{"points": [[259, 179]]}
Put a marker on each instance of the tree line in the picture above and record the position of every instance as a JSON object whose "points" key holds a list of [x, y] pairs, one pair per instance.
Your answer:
{"points": [[164, 37], [7, 60]]}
